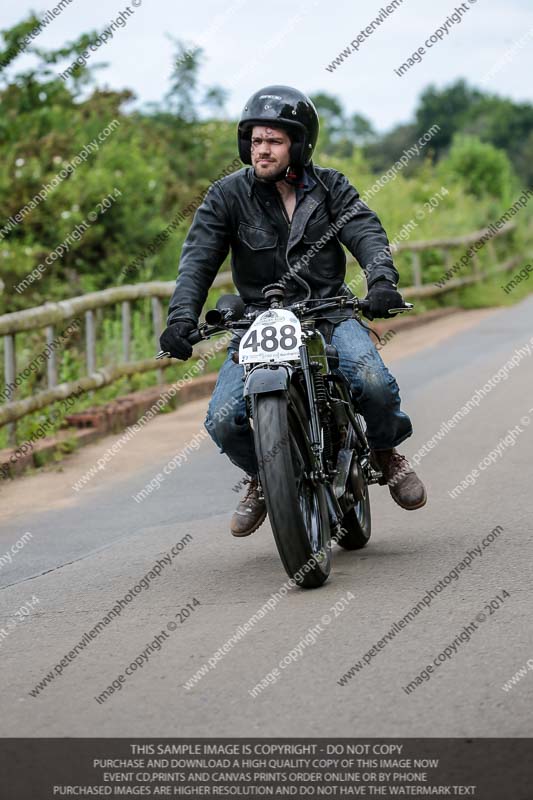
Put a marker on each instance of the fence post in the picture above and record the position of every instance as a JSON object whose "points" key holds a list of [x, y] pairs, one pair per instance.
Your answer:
{"points": [[157, 317], [417, 269], [90, 342], [476, 267], [493, 266], [10, 373], [126, 330], [448, 259], [51, 365]]}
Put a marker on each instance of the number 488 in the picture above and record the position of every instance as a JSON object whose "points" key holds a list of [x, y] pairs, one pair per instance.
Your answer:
{"points": [[270, 340]]}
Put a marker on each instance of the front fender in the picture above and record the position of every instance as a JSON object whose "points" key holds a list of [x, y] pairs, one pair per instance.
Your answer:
{"points": [[271, 378]]}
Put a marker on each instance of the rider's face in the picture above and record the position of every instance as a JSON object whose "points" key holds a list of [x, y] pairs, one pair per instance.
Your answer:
{"points": [[270, 151]]}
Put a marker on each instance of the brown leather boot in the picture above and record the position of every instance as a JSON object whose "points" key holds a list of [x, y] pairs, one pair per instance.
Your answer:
{"points": [[251, 511], [405, 486]]}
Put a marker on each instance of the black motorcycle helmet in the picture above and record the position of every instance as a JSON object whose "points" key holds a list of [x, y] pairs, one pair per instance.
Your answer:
{"points": [[281, 107]]}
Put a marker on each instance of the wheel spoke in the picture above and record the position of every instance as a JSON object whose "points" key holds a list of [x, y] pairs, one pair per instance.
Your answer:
{"points": [[308, 500]]}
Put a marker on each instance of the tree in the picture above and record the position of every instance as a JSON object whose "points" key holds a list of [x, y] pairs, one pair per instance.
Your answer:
{"points": [[449, 109], [481, 168], [329, 109], [385, 150], [339, 133], [215, 99], [361, 128], [182, 97], [523, 160]]}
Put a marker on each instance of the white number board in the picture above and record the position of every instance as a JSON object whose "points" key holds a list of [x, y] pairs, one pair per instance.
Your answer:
{"points": [[274, 336]]}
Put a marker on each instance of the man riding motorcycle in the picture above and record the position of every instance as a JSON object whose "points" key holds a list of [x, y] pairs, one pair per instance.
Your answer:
{"points": [[284, 220]]}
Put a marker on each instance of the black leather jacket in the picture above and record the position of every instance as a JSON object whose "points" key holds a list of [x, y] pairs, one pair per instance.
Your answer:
{"points": [[247, 216]]}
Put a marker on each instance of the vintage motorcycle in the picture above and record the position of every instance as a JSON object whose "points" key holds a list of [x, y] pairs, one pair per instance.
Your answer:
{"points": [[309, 436]]}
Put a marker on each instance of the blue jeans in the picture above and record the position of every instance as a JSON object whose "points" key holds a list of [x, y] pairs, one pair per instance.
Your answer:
{"points": [[375, 389]]}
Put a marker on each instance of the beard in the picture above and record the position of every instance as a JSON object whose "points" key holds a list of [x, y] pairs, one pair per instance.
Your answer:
{"points": [[271, 172]]}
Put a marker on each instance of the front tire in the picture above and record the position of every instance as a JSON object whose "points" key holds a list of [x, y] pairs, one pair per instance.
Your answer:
{"points": [[297, 506]]}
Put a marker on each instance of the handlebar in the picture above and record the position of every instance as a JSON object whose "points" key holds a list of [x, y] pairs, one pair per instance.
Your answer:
{"points": [[300, 308], [195, 336]]}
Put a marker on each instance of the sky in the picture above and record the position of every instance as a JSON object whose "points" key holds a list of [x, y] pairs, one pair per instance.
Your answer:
{"points": [[249, 45]]}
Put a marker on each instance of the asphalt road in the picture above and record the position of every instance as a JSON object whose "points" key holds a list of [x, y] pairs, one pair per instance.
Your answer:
{"points": [[89, 548]]}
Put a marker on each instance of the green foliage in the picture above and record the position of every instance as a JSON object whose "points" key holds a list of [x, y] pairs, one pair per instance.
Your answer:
{"points": [[498, 121], [158, 161], [184, 82], [479, 167], [388, 148], [162, 157], [14, 39], [340, 134], [448, 108]]}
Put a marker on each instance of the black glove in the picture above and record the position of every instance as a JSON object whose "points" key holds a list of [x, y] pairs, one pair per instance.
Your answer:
{"points": [[383, 295], [174, 339]]}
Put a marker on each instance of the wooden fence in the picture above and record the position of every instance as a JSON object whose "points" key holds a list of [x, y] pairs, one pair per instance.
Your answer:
{"points": [[50, 315]]}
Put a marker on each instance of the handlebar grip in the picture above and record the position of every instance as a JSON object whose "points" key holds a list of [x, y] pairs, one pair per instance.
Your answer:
{"points": [[364, 307], [194, 337]]}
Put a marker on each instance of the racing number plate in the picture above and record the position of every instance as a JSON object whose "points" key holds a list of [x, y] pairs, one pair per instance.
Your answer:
{"points": [[274, 336]]}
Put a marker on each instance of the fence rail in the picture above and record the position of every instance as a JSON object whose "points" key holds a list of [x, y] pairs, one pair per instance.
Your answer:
{"points": [[50, 315]]}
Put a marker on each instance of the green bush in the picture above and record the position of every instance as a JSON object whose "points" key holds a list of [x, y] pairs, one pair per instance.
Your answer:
{"points": [[480, 168], [161, 159]]}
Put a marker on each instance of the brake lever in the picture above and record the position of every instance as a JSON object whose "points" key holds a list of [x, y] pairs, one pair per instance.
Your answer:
{"points": [[406, 307]]}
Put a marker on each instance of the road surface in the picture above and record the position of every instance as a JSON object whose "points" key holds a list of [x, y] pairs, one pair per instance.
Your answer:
{"points": [[88, 548]]}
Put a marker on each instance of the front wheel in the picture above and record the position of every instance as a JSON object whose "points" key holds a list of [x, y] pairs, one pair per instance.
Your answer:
{"points": [[296, 504]]}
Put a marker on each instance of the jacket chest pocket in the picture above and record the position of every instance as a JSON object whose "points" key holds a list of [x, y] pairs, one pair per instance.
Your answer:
{"points": [[315, 229], [257, 238]]}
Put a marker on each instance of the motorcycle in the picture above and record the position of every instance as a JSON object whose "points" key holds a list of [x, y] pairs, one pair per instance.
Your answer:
{"points": [[309, 434]]}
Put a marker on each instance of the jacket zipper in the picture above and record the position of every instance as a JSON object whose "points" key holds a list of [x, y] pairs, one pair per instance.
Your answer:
{"points": [[284, 212]]}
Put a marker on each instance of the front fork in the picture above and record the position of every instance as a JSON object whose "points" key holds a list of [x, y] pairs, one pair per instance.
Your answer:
{"points": [[361, 452], [335, 511], [314, 419]]}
